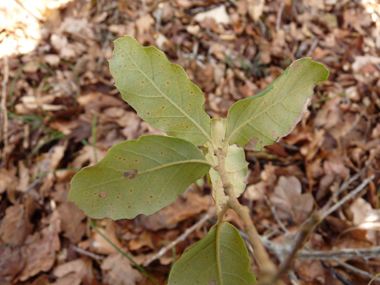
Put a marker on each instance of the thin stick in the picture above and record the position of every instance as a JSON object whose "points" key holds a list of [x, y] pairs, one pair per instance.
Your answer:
{"points": [[302, 235], [347, 197], [356, 270], [277, 218], [88, 253], [346, 253], [309, 225], [279, 14], [182, 237], [342, 188], [93, 137], [4, 109]]}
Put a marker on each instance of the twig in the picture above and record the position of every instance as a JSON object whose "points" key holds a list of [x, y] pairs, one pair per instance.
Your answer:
{"points": [[302, 235], [182, 237], [309, 225], [277, 218], [90, 254], [279, 14], [347, 197], [159, 17], [356, 270], [335, 274], [93, 136], [4, 109], [347, 253], [312, 47], [44, 168], [267, 268]]}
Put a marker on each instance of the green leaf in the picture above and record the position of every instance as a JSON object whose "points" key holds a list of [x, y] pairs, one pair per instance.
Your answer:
{"points": [[160, 92], [137, 177], [263, 119], [220, 258]]}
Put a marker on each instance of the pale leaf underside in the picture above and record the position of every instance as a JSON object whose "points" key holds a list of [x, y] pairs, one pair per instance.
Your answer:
{"points": [[261, 120]]}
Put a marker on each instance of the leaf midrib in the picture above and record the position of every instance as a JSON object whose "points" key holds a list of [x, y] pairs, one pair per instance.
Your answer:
{"points": [[147, 171], [163, 94]]}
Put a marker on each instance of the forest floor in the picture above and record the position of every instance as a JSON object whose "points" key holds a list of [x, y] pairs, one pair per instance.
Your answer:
{"points": [[60, 111]]}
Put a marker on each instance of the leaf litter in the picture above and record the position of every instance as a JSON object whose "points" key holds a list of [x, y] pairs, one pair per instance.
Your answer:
{"points": [[59, 79]]}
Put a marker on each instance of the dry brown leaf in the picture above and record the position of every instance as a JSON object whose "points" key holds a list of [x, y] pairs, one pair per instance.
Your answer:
{"points": [[219, 15], [72, 224], [255, 9], [289, 202], [143, 239], [11, 263], [183, 208], [95, 101], [365, 217], [15, 226], [310, 270], [335, 163], [8, 181], [78, 271], [98, 244], [119, 271], [144, 24], [86, 155], [40, 254]]}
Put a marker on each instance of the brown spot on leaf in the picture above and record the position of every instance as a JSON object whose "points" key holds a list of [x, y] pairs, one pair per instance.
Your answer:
{"points": [[130, 174], [103, 194]]}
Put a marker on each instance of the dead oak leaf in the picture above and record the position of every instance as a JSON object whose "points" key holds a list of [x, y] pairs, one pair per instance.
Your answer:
{"points": [[15, 226], [72, 223], [290, 204], [40, 255], [74, 272], [120, 271]]}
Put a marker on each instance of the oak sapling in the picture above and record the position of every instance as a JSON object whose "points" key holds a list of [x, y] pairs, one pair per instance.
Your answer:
{"points": [[143, 176]]}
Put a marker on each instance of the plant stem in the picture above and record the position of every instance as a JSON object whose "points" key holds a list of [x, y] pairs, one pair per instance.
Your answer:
{"points": [[267, 268]]}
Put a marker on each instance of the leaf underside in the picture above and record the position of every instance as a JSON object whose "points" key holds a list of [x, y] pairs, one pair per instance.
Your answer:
{"points": [[160, 92], [220, 258], [236, 168], [137, 177], [263, 119]]}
